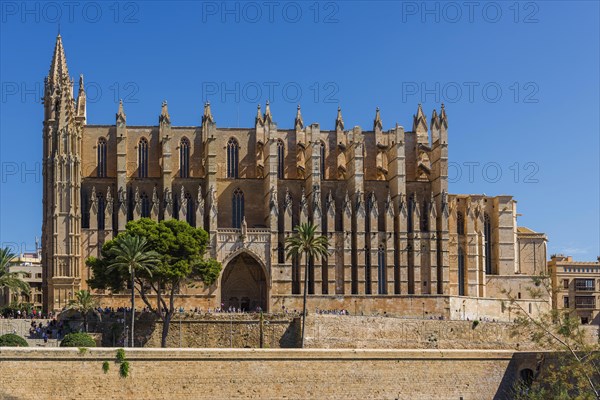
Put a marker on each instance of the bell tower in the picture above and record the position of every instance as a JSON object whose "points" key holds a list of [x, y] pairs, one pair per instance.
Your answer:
{"points": [[61, 226]]}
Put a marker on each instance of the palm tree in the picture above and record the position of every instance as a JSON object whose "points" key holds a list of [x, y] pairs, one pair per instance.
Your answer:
{"points": [[133, 254], [84, 303], [306, 243], [10, 280]]}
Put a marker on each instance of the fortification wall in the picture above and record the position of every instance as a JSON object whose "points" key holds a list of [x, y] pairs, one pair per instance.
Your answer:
{"points": [[332, 331], [266, 374]]}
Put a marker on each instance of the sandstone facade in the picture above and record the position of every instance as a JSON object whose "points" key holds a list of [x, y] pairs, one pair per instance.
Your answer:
{"points": [[381, 197]]}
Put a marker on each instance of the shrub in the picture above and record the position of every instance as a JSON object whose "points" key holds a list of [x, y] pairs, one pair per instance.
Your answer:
{"points": [[124, 369], [120, 355], [12, 340], [105, 366], [78, 340]]}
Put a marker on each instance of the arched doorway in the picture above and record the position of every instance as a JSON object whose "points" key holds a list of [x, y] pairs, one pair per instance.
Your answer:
{"points": [[244, 284]]}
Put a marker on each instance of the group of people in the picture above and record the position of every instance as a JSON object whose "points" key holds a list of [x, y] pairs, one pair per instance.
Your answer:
{"points": [[22, 314], [52, 329]]}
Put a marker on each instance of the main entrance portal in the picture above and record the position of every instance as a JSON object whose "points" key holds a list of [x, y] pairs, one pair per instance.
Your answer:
{"points": [[244, 284]]}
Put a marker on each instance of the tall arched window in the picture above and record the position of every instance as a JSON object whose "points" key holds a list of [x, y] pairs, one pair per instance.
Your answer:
{"points": [[425, 217], [102, 158], [143, 158], [461, 272], [145, 205], [368, 279], [382, 281], [322, 159], [487, 232], [237, 206], [85, 208], [409, 217], [280, 159], [232, 158], [184, 158], [101, 209], [460, 223], [189, 211]]}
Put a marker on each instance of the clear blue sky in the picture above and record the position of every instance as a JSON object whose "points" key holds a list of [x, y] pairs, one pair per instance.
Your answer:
{"points": [[520, 82]]}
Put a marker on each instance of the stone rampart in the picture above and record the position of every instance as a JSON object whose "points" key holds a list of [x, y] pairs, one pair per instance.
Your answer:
{"points": [[260, 374]]}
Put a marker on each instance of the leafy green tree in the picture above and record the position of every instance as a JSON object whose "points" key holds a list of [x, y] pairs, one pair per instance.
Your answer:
{"points": [[78, 339], [10, 280], [12, 340], [181, 249], [306, 242], [83, 303], [131, 253], [573, 371]]}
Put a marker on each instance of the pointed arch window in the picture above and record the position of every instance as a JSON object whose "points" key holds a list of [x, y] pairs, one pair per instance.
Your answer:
{"points": [[232, 158], [189, 211], [85, 217], [143, 158], [280, 159], [425, 217], [382, 281], [101, 210], [409, 217], [145, 206], [101, 157], [461, 272], [322, 159], [184, 158], [460, 223], [487, 232], [237, 206]]}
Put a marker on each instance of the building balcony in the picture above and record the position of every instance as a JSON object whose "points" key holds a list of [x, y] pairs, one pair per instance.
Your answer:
{"points": [[585, 302]]}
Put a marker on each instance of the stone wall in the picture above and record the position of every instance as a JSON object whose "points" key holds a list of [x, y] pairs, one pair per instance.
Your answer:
{"points": [[267, 373], [413, 306], [230, 330], [332, 331]]}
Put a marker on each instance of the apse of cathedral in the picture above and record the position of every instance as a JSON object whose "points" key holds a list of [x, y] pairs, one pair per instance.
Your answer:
{"points": [[379, 194]]}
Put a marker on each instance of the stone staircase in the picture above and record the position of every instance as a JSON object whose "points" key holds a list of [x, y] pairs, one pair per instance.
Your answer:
{"points": [[21, 328], [40, 342]]}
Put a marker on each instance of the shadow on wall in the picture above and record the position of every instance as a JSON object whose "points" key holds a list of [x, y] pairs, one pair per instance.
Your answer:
{"points": [[291, 337], [519, 374]]}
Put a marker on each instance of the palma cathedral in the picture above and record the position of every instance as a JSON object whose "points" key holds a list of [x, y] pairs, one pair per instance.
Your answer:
{"points": [[399, 242]]}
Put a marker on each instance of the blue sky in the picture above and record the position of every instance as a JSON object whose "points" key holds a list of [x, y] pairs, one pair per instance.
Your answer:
{"points": [[520, 82]]}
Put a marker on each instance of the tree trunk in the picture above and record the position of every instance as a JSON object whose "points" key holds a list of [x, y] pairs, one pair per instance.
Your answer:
{"points": [[165, 329], [304, 301], [132, 306]]}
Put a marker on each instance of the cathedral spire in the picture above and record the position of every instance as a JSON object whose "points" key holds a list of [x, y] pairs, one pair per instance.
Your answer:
{"points": [[443, 117], [207, 113], [268, 116], [435, 127], [339, 121], [81, 100], [164, 114], [121, 117], [377, 124], [58, 67], [259, 117], [298, 123], [420, 126]]}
